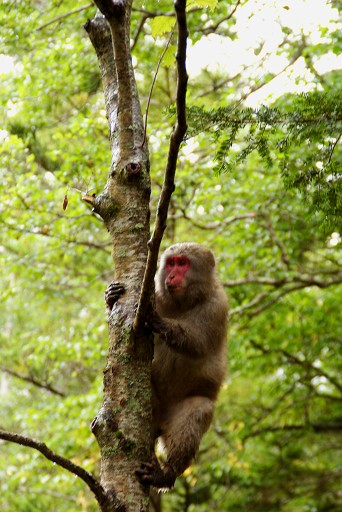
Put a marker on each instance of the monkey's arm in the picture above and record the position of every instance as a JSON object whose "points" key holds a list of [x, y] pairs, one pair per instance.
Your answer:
{"points": [[191, 337]]}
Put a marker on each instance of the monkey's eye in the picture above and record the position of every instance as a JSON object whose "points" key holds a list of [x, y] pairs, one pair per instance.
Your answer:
{"points": [[182, 262], [171, 262]]}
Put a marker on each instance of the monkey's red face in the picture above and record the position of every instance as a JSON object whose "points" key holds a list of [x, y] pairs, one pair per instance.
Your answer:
{"points": [[176, 268]]}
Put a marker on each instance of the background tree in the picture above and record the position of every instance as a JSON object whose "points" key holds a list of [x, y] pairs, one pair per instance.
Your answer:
{"points": [[274, 442]]}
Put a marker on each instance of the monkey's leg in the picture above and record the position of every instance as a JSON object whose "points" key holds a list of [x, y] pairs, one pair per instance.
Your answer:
{"points": [[182, 432], [187, 423]]}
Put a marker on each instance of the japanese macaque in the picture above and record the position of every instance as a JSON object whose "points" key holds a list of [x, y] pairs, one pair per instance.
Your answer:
{"points": [[189, 361]]}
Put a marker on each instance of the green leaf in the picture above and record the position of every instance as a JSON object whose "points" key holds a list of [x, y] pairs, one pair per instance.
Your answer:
{"points": [[169, 56], [161, 25]]}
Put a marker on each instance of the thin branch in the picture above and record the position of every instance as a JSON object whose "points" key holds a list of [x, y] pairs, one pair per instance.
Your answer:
{"points": [[314, 390], [260, 84], [254, 302], [308, 279], [257, 280], [298, 53], [154, 81], [65, 463], [217, 224], [66, 15], [333, 147], [315, 427], [285, 259], [145, 16], [32, 380], [177, 137], [304, 363], [259, 299], [139, 31], [213, 28], [298, 282], [216, 85], [42, 232], [152, 14]]}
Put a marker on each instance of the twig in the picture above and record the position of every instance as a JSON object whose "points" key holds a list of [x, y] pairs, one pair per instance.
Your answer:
{"points": [[219, 223], [62, 16], [42, 232], [315, 427], [138, 32], [285, 259], [213, 28], [154, 81], [298, 282], [333, 147], [259, 300], [294, 359], [309, 280], [32, 380], [270, 281]]}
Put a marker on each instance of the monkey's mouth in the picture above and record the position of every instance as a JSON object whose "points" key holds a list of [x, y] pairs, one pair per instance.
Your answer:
{"points": [[174, 289]]}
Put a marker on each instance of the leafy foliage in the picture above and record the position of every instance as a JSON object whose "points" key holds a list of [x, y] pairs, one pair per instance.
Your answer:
{"points": [[302, 140]]}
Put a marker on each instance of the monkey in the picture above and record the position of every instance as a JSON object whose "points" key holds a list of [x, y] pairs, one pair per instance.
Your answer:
{"points": [[188, 367]]}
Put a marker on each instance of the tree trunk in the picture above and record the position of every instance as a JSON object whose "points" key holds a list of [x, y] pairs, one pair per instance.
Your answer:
{"points": [[122, 426]]}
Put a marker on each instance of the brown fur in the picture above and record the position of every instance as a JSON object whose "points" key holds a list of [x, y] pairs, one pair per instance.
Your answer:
{"points": [[190, 356]]}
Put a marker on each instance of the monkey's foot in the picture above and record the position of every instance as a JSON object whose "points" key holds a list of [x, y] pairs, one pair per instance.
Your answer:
{"points": [[150, 473]]}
